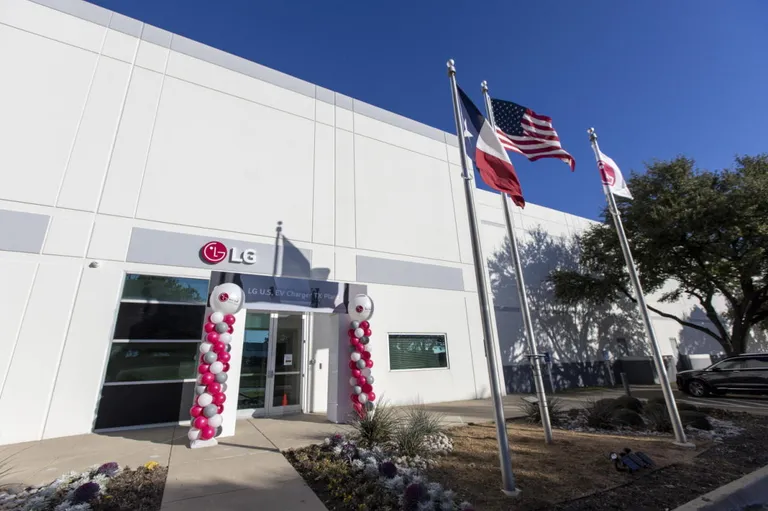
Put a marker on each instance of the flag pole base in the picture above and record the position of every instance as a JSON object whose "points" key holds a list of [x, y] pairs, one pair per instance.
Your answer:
{"points": [[684, 445], [513, 493]]}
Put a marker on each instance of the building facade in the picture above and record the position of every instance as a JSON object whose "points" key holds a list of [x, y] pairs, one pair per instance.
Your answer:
{"points": [[136, 162]]}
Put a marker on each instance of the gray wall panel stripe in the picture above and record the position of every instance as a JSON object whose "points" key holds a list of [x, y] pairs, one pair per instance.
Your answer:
{"points": [[375, 270], [324, 94], [101, 16], [22, 232], [151, 246]]}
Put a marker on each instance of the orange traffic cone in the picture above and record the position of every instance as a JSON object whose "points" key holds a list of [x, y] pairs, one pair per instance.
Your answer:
{"points": [[285, 399]]}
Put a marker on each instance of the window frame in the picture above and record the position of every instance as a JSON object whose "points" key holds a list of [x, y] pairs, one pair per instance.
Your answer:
{"points": [[718, 365], [444, 335]]}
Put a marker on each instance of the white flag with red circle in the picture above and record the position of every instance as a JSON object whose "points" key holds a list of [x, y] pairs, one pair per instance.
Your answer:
{"points": [[612, 177]]}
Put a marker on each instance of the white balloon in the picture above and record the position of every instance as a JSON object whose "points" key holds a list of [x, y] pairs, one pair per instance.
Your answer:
{"points": [[217, 317], [205, 347], [193, 434], [360, 308], [353, 381], [359, 332], [357, 389], [204, 399], [354, 356], [367, 372], [199, 389], [215, 421], [227, 298], [216, 367], [363, 398], [225, 338]]}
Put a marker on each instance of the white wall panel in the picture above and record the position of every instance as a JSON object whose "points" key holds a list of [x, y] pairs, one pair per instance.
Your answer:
{"points": [[344, 200], [42, 92], [35, 362], [120, 46], [78, 383], [345, 267], [404, 202], [17, 276], [324, 185], [90, 155], [110, 238], [325, 112], [209, 146], [69, 233], [152, 56], [344, 119], [221, 79], [460, 214], [398, 136], [121, 190], [51, 23]]}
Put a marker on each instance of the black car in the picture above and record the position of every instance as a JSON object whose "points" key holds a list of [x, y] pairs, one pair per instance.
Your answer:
{"points": [[742, 373]]}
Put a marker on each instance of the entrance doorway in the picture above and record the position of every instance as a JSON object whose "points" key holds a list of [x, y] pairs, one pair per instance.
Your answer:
{"points": [[272, 373]]}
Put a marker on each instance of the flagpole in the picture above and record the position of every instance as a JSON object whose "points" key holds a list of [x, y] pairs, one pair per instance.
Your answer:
{"points": [[505, 459], [666, 388], [523, 295]]}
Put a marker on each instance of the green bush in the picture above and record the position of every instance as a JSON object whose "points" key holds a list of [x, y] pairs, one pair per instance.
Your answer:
{"points": [[694, 419], [533, 415], [657, 417], [627, 418], [629, 403], [599, 413], [412, 430], [419, 417], [376, 427]]}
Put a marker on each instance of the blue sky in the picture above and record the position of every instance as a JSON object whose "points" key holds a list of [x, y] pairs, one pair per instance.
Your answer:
{"points": [[656, 78]]}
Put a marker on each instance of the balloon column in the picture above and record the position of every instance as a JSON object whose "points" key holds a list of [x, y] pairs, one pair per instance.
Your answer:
{"points": [[360, 363], [210, 390]]}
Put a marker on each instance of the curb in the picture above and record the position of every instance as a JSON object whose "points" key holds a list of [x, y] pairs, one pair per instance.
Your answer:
{"points": [[749, 490]]}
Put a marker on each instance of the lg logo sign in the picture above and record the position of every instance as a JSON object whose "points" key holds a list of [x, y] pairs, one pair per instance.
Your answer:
{"points": [[215, 252]]}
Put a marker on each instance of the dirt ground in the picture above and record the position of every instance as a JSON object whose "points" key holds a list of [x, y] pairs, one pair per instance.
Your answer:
{"points": [[576, 465]]}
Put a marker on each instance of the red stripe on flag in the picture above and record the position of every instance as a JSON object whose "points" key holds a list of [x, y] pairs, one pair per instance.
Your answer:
{"points": [[499, 175]]}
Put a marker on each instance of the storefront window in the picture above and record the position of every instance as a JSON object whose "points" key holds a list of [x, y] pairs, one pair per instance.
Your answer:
{"points": [[151, 361], [417, 351], [159, 321], [165, 289]]}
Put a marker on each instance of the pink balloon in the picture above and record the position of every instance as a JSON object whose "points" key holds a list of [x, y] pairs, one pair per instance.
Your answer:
{"points": [[353, 397], [220, 407], [212, 337], [361, 381], [366, 355], [352, 365], [207, 433], [195, 411], [230, 329], [200, 422], [371, 396], [208, 378], [369, 363], [224, 357], [209, 318], [367, 387], [209, 327], [203, 368], [359, 348], [354, 341], [356, 372], [365, 325], [219, 347], [351, 332], [219, 399], [226, 367], [214, 388], [229, 319], [368, 332]]}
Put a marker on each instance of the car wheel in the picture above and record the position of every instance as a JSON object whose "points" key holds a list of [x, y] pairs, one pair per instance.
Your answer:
{"points": [[696, 388]]}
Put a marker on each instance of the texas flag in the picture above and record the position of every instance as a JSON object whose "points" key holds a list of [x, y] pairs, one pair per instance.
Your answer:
{"points": [[485, 149], [611, 176]]}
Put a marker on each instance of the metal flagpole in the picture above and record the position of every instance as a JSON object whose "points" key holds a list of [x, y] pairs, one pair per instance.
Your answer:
{"points": [[505, 458], [521, 293], [669, 397]]}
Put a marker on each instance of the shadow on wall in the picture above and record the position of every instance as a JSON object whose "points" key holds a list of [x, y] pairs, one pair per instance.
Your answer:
{"points": [[694, 342], [577, 336]]}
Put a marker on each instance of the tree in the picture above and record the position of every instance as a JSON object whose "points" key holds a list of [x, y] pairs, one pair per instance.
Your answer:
{"points": [[693, 233]]}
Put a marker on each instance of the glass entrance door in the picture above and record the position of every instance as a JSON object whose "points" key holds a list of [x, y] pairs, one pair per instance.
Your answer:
{"points": [[271, 375]]}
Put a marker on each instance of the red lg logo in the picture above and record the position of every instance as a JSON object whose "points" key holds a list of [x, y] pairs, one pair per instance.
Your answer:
{"points": [[213, 252]]}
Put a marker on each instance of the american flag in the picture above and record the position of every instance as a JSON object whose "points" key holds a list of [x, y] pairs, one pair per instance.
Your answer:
{"points": [[522, 130]]}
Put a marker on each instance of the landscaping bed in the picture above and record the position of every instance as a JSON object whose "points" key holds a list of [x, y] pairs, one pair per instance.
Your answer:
{"points": [[108, 487]]}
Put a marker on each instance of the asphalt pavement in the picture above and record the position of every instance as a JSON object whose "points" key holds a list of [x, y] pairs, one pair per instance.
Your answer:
{"points": [[756, 404]]}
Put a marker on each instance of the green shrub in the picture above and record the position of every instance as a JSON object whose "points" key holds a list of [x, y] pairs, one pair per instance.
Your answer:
{"points": [[627, 418], [430, 423], [629, 403], [412, 430], [657, 417], [376, 427], [533, 415], [599, 413], [694, 419]]}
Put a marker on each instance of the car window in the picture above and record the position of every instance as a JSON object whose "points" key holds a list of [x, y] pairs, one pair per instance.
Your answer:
{"points": [[730, 364], [757, 363]]}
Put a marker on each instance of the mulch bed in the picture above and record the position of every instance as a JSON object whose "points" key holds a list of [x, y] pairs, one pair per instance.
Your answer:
{"points": [[137, 490]]}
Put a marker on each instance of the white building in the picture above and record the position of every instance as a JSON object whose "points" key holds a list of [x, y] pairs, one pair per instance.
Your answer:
{"points": [[126, 149]]}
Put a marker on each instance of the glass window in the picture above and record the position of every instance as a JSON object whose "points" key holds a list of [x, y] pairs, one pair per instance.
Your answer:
{"points": [[165, 289], [150, 361], [417, 351], [253, 373], [150, 321], [727, 365], [153, 403], [757, 363]]}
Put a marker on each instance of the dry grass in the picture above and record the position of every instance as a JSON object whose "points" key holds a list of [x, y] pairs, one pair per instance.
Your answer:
{"points": [[575, 465]]}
